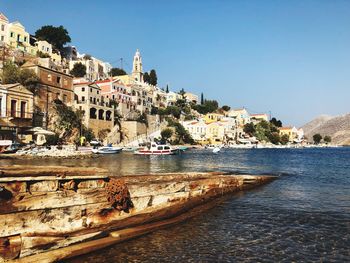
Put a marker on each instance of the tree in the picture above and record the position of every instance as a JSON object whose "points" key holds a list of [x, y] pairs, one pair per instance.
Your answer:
{"points": [[153, 80], [274, 137], [174, 110], [276, 122], [87, 57], [117, 72], [327, 139], [249, 128], [202, 98], [10, 73], [79, 70], [167, 89], [226, 108], [42, 54], [182, 92], [284, 139], [146, 77], [207, 107], [317, 138], [166, 134], [57, 36], [29, 79]]}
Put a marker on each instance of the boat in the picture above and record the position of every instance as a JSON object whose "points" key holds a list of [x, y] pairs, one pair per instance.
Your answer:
{"points": [[49, 214], [130, 149], [216, 150], [155, 149], [182, 148], [107, 150]]}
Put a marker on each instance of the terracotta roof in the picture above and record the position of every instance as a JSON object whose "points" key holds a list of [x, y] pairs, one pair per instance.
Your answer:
{"points": [[104, 81], [285, 128], [259, 114]]}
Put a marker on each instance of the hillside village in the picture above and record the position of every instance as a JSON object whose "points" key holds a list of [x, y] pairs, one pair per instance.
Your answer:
{"points": [[117, 109]]}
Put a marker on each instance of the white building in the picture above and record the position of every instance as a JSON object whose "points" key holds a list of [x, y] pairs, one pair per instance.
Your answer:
{"points": [[3, 28]]}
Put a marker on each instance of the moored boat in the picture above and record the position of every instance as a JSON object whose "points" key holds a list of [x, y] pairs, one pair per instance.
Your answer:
{"points": [[107, 150], [155, 149]]}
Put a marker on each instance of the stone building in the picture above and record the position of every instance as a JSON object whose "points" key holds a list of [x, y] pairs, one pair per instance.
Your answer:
{"points": [[16, 112], [53, 85], [98, 112]]}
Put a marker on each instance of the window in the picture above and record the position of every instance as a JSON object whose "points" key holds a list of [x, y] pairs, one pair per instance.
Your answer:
{"points": [[23, 109], [83, 98], [83, 89], [25, 39], [160, 148], [12, 34], [13, 108], [2, 27], [59, 80], [65, 82], [64, 98], [2, 38], [18, 37], [98, 92], [90, 89], [49, 77]]}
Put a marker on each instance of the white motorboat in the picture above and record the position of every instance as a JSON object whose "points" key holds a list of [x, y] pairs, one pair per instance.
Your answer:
{"points": [[216, 150], [155, 149], [107, 150]]}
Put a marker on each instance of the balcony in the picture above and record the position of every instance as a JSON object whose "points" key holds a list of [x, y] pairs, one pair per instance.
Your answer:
{"points": [[17, 114]]}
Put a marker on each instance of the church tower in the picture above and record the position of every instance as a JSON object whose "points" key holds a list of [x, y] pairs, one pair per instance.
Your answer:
{"points": [[137, 72]]}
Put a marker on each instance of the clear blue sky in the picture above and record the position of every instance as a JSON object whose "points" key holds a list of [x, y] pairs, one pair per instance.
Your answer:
{"points": [[288, 57]]}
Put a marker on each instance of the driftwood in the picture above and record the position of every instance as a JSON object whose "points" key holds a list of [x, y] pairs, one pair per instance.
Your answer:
{"points": [[51, 213]]}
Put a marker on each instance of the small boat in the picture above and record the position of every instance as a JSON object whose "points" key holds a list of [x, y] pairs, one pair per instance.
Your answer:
{"points": [[216, 150], [130, 149], [107, 150], [154, 149], [182, 148]]}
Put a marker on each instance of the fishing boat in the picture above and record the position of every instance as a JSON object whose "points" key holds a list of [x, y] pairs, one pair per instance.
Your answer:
{"points": [[154, 149], [107, 150]]}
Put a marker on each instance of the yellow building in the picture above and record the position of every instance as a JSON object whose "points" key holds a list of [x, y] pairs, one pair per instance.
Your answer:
{"points": [[18, 38], [241, 115], [3, 28], [44, 47], [286, 131], [212, 117]]}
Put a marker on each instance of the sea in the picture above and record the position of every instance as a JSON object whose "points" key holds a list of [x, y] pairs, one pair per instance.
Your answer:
{"points": [[303, 216]]}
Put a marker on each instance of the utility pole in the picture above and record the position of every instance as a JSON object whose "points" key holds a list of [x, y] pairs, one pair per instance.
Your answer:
{"points": [[121, 63]]}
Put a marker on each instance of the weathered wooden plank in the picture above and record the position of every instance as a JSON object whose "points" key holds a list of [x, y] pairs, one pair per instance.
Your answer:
{"points": [[10, 247], [66, 198], [39, 244]]}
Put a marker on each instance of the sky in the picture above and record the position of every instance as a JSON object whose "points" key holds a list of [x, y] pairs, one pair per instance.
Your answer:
{"points": [[290, 58]]}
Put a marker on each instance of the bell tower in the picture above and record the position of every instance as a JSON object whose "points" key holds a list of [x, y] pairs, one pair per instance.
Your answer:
{"points": [[137, 72]]}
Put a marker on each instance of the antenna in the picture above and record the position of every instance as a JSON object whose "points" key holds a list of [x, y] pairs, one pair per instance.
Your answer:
{"points": [[121, 63]]}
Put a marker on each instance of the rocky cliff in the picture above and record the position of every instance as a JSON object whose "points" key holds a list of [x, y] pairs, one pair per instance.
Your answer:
{"points": [[337, 127]]}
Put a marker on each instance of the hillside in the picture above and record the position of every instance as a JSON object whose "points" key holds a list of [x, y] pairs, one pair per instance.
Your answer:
{"points": [[337, 127]]}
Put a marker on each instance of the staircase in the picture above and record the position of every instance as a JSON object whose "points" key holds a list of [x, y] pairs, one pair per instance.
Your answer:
{"points": [[114, 136], [143, 138]]}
